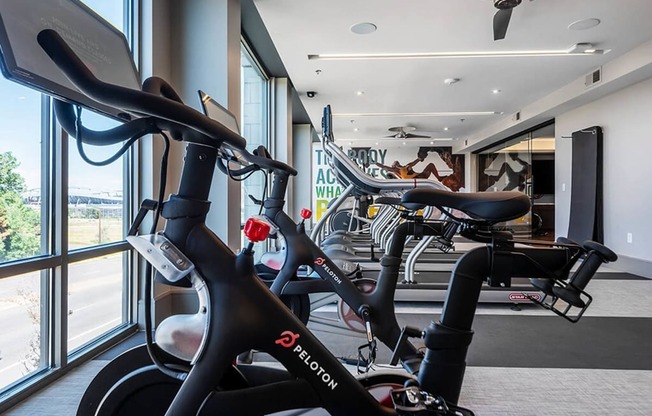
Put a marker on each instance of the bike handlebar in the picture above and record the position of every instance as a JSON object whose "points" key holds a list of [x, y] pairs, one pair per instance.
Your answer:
{"points": [[66, 116], [164, 105]]}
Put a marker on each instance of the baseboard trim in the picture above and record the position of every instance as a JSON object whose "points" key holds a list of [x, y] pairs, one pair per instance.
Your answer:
{"points": [[633, 265]]}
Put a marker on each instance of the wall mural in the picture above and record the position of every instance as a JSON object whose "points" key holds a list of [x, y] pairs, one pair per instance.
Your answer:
{"points": [[508, 172], [434, 162], [504, 172]]}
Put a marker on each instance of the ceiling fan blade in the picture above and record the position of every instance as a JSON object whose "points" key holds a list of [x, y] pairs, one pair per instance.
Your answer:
{"points": [[392, 136], [416, 136], [501, 21]]}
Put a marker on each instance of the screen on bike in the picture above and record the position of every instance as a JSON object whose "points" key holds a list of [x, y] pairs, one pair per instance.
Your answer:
{"points": [[215, 111], [102, 48]]}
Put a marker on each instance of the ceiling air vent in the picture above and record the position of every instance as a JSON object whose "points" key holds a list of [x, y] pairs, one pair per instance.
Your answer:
{"points": [[516, 116], [593, 78]]}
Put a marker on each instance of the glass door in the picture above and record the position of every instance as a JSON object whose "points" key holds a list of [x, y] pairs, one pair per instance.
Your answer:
{"points": [[524, 164]]}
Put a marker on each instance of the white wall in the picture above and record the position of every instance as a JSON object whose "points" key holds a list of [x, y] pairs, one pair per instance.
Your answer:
{"points": [[626, 119], [302, 158]]}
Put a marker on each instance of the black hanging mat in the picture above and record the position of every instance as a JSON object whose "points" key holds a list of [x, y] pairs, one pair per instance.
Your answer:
{"points": [[585, 221]]}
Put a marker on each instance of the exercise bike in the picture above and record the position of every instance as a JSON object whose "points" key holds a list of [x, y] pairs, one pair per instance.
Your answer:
{"points": [[238, 310]]}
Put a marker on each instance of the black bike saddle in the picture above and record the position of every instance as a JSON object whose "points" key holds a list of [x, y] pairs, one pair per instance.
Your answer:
{"points": [[388, 200], [488, 206]]}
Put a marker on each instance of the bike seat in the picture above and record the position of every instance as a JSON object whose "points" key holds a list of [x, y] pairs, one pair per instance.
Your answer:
{"points": [[388, 200], [488, 206]]}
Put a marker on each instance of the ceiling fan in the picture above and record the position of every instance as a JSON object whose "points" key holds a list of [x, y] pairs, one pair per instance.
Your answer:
{"points": [[502, 16], [405, 133]]}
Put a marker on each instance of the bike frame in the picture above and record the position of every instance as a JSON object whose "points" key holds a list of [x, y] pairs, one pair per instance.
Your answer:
{"points": [[302, 250], [240, 316]]}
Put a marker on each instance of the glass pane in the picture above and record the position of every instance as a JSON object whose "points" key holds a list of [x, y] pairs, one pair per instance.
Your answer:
{"points": [[254, 129], [508, 167], [95, 292], [113, 11], [20, 320], [20, 172], [95, 194]]}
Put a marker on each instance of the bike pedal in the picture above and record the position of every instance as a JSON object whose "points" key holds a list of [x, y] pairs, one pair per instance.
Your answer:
{"points": [[412, 401]]}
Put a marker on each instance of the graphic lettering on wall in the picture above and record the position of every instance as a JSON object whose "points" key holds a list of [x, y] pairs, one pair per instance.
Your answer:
{"points": [[370, 160], [424, 162], [288, 340], [325, 184]]}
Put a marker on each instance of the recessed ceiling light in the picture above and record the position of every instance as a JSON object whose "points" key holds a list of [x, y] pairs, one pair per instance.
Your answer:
{"points": [[404, 143], [495, 91], [451, 81], [376, 143], [445, 128], [584, 24], [350, 143], [432, 142], [572, 51], [358, 93], [356, 129], [364, 28]]}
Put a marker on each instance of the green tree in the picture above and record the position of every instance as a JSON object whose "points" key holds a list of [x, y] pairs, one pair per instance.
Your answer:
{"points": [[19, 224]]}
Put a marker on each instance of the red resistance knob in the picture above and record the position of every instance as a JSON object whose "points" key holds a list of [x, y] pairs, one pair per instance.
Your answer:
{"points": [[256, 230], [306, 213]]}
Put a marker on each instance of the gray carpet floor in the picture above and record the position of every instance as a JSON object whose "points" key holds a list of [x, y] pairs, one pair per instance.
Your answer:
{"points": [[521, 363]]}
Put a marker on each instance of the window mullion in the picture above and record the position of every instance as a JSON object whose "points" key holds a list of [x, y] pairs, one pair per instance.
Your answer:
{"points": [[59, 282]]}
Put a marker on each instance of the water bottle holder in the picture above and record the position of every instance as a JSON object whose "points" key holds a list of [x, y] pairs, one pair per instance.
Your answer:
{"points": [[559, 306]]}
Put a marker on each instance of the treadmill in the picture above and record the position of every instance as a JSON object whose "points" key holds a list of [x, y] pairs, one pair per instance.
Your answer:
{"points": [[423, 281]]}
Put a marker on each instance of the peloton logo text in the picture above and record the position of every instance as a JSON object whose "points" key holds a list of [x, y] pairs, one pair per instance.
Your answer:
{"points": [[288, 339], [322, 262]]}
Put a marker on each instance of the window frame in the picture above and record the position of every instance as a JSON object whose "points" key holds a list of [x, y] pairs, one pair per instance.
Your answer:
{"points": [[53, 266], [267, 124]]}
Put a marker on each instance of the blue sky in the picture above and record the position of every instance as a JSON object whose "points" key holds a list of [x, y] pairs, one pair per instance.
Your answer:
{"points": [[20, 109]]}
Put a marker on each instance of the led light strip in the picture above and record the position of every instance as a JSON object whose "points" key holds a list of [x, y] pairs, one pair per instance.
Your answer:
{"points": [[579, 49], [434, 114]]}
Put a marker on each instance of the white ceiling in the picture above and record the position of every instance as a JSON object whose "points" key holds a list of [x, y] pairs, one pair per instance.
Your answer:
{"points": [[302, 27]]}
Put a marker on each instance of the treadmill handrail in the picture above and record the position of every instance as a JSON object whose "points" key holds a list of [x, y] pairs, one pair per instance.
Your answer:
{"points": [[384, 185]]}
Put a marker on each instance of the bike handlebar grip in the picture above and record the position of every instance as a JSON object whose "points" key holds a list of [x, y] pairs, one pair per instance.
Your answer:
{"points": [[65, 113], [607, 254], [129, 99], [568, 241], [159, 86], [597, 254], [262, 158]]}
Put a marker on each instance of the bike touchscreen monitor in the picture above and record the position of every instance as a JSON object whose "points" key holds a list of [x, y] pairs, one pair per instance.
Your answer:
{"points": [[102, 47], [215, 111]]}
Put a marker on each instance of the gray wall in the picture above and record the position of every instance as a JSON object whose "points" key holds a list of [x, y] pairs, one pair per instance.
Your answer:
{"points": [[205, 36], [625, 117], [302, 156], [193, 45]]}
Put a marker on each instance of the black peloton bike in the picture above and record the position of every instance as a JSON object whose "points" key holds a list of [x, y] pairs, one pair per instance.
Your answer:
{"points": [[237, 310]]}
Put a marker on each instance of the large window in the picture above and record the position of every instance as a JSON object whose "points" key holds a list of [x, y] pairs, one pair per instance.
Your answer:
{"points": [[64, 265], [255, 128]]}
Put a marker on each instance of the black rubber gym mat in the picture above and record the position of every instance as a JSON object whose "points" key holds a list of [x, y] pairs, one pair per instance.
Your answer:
{"points": [[539, 341], [618, 276]]}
